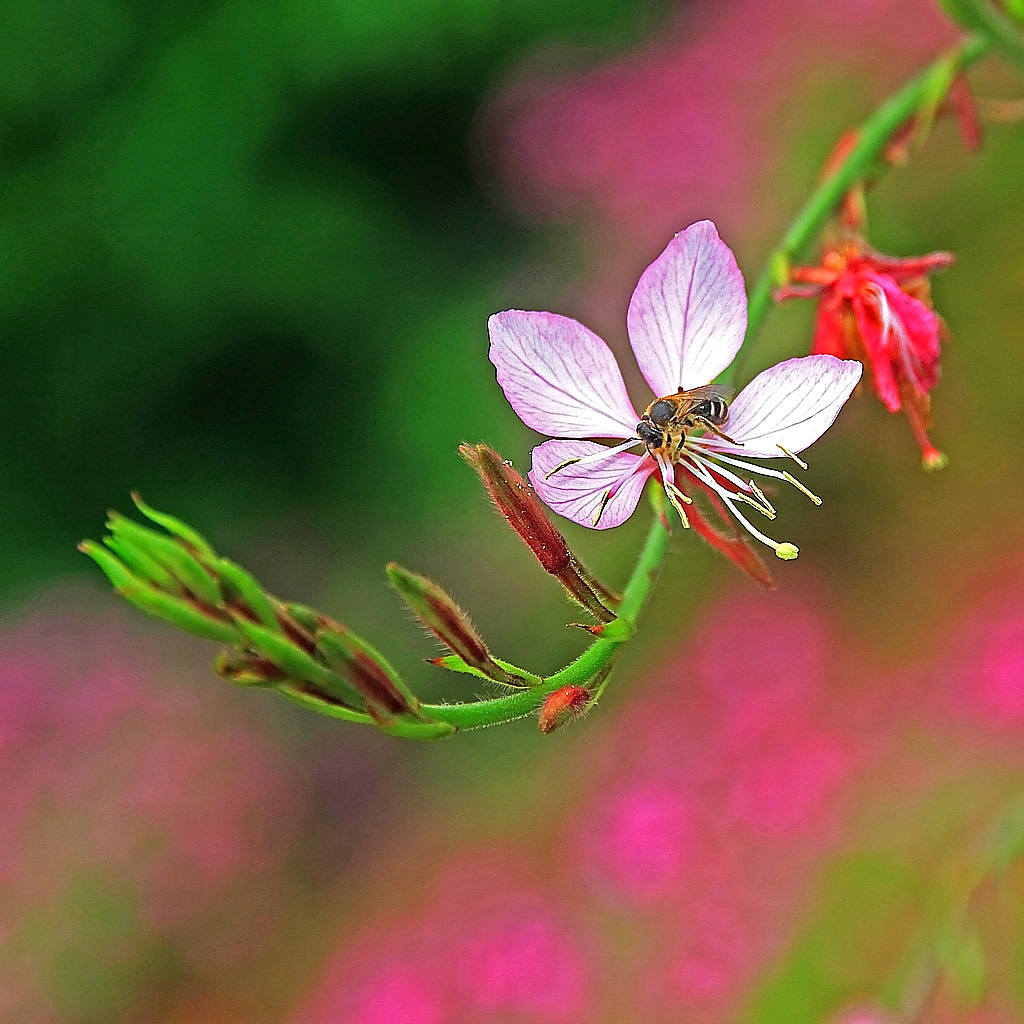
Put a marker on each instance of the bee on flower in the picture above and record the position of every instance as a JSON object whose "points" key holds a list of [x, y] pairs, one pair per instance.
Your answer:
{"points": [[686, 322], [878, 309]]}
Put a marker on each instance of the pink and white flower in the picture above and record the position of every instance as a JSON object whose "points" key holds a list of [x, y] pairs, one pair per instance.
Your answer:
{"points": [[686, 322]]}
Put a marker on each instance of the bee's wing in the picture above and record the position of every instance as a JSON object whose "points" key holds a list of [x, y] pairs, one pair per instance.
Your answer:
{"points": [[706, 391]]}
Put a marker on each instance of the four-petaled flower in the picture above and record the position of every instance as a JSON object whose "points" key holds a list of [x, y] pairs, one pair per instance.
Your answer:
{"points": [[878, 309], [686, 322]]}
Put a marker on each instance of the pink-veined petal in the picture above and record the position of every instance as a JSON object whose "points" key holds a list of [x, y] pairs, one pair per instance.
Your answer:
{"points": [[578, 494], [790, 404], [688, 314], [560, 377]]}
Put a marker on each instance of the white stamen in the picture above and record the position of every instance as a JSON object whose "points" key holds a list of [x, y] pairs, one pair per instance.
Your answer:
{"points": [[764, 508], [764, 471], [750, 467], [730, 476], [784, 550], [762, 497], [587, 460], [675, 496]]}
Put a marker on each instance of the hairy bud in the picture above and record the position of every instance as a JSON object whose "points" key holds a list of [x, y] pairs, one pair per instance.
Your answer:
{"points": [[563, 706], [447, 621], [514, 499], [366, 671]]}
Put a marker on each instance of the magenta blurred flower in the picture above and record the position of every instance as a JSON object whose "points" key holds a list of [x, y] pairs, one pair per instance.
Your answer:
{"points": [[786, 782], [689, 119], [686, 322], [141, 822], [984, 665], [646, 839], [486, 946]]}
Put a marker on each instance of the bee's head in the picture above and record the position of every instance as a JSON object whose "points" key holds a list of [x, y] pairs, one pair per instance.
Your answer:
{"points": [[648, 434], [660, 412]]}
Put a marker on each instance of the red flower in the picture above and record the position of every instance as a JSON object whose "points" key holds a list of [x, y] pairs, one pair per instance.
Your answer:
{"points": [[878, 309]]}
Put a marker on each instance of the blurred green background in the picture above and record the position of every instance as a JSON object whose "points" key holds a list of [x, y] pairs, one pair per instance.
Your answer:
{"points": [[247, 253]]}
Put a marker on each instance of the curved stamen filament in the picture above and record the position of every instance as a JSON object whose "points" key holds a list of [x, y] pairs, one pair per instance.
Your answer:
{"points": [[587, 460], [674, 494], [765, 471], [762, 504], [784, 550], [705, 476]]}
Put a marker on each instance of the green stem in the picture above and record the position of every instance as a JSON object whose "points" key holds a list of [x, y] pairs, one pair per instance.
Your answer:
{"points": [[579, 672], [873, 136]]}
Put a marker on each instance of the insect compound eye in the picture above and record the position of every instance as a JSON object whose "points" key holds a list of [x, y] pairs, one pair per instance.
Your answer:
{"points": [[648, 434], [660, 412]]}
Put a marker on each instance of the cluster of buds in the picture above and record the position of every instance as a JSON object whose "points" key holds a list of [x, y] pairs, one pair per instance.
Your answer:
{"points": [[174, 574], [178, 577]]}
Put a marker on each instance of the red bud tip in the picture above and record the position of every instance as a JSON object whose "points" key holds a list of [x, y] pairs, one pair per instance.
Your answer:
{"points": [[563, 706]]}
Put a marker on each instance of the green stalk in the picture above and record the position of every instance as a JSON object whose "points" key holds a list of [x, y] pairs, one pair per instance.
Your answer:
{"points": [[874, 133], [579, 672]]}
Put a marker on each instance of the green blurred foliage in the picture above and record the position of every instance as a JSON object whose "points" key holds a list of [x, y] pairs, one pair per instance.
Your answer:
{"points": [[245, 259]]}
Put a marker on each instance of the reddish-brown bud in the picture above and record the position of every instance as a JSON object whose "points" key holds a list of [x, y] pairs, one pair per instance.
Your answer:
{"points": [[366, 671], [446, 620], [247, 669], [524, 512], [562, 706], [522, 509]]}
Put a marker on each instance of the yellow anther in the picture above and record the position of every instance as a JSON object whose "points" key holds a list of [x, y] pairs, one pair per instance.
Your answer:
{"points": [[800, 487], [796, 458]]}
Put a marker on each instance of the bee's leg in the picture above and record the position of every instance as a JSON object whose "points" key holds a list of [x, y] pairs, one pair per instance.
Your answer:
{"points": [[708, 425]]}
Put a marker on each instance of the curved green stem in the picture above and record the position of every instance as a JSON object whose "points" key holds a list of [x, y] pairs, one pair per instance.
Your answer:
{"points": [[476, 714], [872, 138]]}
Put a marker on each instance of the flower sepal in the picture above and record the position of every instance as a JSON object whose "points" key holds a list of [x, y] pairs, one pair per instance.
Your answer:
{"points": [[513, 676]]}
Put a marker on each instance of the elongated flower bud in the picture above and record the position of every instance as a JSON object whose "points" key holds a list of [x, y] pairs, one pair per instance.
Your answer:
{"points": [[446, 620], [563, 706], [523, 511], [366, 670]]}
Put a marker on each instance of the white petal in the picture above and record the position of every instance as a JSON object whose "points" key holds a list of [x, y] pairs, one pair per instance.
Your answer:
{"points": [[560, 377], [579, 493], [790, 405], [688, 314]]}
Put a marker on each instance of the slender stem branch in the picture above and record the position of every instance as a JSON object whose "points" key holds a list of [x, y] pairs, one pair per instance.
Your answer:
{"points": [[579, 672], [872, 138]]}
